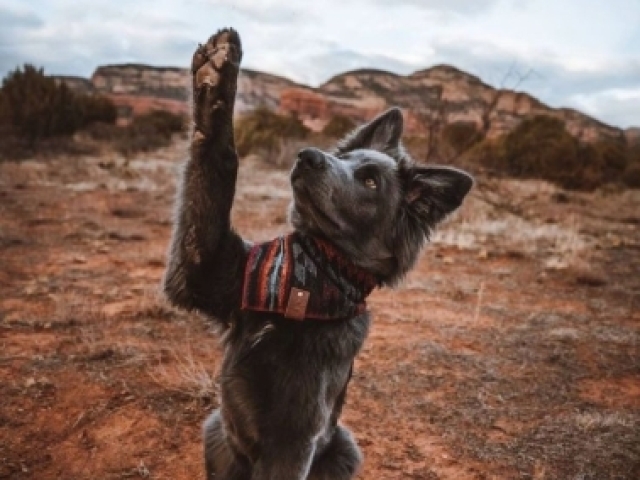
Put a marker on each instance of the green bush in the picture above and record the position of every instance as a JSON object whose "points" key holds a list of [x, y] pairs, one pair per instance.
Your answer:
{"points": [[97, 108], [631, 176], [34, 107], [338, 126], [460, 136], [263, 131], [601, 162], [488, 154], [163, 122], [541, 147], [149, 132], [145, 133]]}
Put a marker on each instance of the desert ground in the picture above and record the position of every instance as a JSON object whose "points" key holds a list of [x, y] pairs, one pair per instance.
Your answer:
{"points": [[512, 351]]}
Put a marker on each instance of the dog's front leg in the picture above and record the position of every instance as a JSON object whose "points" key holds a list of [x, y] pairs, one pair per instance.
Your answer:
{"points": [[206, 256]]}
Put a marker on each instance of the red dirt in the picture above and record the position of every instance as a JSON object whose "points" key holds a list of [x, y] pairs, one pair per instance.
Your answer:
{"points": [[506, 354]]}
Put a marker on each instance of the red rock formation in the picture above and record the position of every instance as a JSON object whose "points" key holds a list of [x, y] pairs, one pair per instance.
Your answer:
{"points": [[304, 103], [359, 95], [316, 109], [130, 106]]}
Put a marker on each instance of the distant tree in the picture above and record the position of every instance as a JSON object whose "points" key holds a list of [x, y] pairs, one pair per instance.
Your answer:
{"points": [[33, 106]]}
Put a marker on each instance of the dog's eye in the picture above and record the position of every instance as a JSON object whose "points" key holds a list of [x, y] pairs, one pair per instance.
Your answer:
{"points": [[370, 183]]}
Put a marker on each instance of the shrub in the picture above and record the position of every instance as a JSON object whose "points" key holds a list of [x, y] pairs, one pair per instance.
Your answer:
{"points": [[338, 126], [262, 131], [146, 132], [612, 156], [461, 136], [97, 108], [34, 107], [631, 176], [488, 154], [162, 122], [541, 147]]}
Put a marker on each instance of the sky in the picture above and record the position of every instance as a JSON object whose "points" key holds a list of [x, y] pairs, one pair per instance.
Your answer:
{"points": [[583, 54]]}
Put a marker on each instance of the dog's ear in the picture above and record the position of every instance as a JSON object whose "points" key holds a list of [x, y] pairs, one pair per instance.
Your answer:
{"points": [[433, 192], [382, 133]]}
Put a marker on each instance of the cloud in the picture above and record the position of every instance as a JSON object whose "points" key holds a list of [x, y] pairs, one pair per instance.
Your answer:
{"points": [[338, 60], [621, 105], [15, 22], [12, 20], [459, 7], [555, 79], [271, 11], [577, 49], [105, 33]]}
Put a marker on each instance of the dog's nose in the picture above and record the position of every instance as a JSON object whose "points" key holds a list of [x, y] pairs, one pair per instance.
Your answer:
{"points": [[312, 157]]}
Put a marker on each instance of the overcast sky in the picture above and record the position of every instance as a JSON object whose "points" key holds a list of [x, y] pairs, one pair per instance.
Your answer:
{"points": [[584, 53]]}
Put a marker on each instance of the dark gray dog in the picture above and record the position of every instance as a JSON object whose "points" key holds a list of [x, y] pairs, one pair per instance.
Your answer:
{"points": [[293, 309]]}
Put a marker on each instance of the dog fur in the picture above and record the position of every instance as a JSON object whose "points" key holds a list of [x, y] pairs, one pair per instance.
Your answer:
{"points": [[283, 382]]}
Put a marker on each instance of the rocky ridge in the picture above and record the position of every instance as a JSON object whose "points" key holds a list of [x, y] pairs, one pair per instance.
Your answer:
{"points": [[442, 93]]}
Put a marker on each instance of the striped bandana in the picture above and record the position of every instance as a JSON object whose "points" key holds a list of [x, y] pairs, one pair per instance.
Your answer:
{"points": [[302, 277]]}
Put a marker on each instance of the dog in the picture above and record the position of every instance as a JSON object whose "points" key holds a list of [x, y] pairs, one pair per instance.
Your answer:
{"points": [[293, 309]]}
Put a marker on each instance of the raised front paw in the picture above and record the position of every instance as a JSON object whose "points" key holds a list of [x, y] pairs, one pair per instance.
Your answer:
{"points": [[215, 67]]}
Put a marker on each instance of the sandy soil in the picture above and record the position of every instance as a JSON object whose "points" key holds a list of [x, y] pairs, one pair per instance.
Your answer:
{"points": [[513, 350]]}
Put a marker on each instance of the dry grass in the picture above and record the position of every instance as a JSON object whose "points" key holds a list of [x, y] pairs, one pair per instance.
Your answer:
{"points": [[179, 371], [479, 225], [95, 346]]}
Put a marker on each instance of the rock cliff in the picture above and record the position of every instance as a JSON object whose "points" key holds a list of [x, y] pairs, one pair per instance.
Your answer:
{"points": [[136, 89], [441, 93]]}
